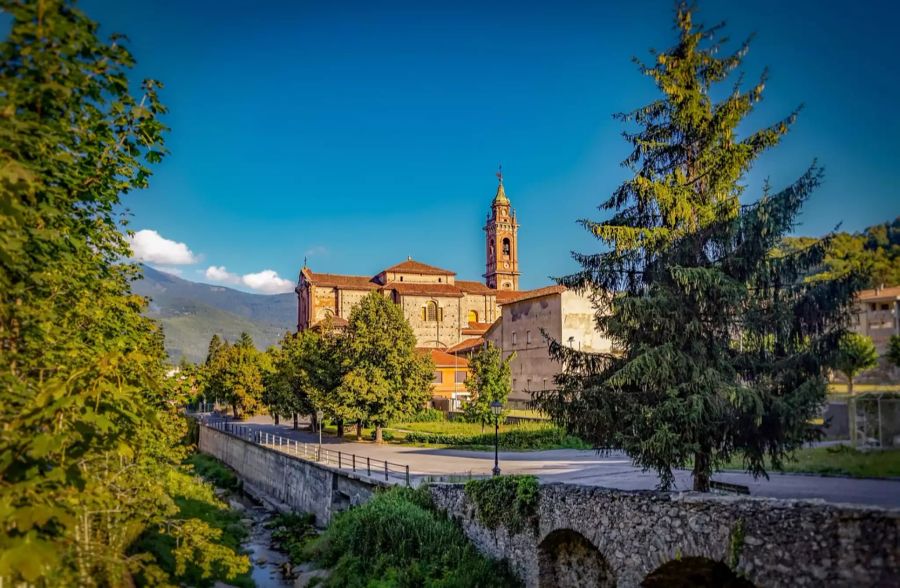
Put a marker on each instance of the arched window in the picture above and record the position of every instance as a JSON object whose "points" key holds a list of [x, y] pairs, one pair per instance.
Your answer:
{"points": [[506, 247], [472, 317], [431, 311]]}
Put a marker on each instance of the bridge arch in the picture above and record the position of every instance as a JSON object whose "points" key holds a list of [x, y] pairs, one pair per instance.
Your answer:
{"points": [[695, 572], [568, 558]]}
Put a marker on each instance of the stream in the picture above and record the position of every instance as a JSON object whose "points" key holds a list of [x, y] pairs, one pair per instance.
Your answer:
{"points": [[268, 563]]}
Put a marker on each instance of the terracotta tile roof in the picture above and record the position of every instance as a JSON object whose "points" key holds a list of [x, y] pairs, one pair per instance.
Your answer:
{"points": [[416, 267], [889, 293], [529, 294], [443, 359], [476, 328], [340, 281], [466, 345], [336, 322], [413, 289], [507, 295], [474, 287]]}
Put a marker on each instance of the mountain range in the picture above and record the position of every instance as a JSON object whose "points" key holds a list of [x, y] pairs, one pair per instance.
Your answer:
{"points": [[191, 313]]}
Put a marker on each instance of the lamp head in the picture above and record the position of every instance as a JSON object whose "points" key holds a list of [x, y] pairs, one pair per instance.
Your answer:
{"points": [[496, 408]]}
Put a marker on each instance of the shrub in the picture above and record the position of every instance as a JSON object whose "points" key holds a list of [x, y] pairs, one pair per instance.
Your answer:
{"points": [[399, 539], [546, 438], [427, 415], [505, 500], [214, 471], [292, 532]]}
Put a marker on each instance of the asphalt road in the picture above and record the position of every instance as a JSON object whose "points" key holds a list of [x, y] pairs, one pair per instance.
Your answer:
{"points": [[591, 468]]}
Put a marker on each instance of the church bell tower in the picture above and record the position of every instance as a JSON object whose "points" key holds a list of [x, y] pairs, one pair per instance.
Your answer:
{"points": [[501, 238]]}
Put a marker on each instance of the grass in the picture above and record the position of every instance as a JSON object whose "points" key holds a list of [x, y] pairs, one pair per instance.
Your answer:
{"points": [[842, 389], [399, 539], [524, 436], [213, 470], [839, 460]]}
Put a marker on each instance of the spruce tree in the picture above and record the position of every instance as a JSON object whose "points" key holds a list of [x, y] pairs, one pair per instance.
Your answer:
{"points": [[723, 345]]}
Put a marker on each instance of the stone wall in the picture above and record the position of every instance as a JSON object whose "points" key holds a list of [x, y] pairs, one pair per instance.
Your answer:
{"points": [[300, 485], [616, 538]]}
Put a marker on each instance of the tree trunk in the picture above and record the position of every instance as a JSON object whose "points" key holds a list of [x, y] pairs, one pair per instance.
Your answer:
{"points": [[851, 412], [340, 429], [296, 421], [378, 437], [701, 472], [359, 430], [313, 422], [234, 411], [276, 418]]}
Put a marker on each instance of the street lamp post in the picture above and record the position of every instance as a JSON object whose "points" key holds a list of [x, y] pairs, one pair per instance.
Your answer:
{"points": [[319, 416], [496, 409]]}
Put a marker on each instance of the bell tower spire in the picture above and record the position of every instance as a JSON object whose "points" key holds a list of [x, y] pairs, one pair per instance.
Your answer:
{"points": [[501, 240]]}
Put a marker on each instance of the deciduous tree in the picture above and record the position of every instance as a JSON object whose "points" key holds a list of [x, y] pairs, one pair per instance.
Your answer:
{"points": [[385, 378], [90, 428], [724, 344], [490, 381], [856, 353]]}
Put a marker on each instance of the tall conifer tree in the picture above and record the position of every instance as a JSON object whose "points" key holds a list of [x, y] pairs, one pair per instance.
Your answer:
{"points": [[723, 343]]}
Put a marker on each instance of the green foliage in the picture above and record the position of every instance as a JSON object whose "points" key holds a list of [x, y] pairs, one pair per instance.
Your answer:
{"points": [[839, 460], [490, 381], [893, 353], [288, 384], [90, 433], [236, 374], [874, 252], [183, 550], [427, 415], [213, 470], [724, 342], [510, 501], [398, 539], [855, 354], [292, 533], [385, 379], [545, 438]]}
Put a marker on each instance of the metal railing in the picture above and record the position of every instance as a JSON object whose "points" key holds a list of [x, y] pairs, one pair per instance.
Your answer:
{"points": [[363, 465]]}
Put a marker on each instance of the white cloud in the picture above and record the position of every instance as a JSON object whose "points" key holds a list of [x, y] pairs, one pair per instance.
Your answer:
{"points": [[220, 274], [175, 271], [151, 247], [268, 282]]}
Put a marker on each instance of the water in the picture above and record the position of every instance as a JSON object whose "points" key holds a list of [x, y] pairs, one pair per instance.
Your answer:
{"points": [[268, 563]]}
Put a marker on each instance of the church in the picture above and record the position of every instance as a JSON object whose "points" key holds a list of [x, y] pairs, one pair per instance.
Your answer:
{"points": [[442, 310]]}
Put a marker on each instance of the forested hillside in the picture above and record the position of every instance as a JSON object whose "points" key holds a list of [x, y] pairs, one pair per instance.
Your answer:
{"points": [[191, 313]]}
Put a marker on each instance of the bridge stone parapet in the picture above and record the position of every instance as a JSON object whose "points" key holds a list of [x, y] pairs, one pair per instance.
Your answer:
{"points": [[589, 536], [298, 484]]}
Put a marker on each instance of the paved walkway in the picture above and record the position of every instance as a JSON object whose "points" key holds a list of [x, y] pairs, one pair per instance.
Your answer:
{"points": [[588, 467]]}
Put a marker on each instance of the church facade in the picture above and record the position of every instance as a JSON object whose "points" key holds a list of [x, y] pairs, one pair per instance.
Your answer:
{"points": [[442, 310]]}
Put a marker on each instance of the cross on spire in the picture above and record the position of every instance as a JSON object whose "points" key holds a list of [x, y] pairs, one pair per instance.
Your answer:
{"points": [[500, 172]]}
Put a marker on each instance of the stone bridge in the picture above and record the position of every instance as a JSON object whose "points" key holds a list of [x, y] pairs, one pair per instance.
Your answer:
{"points": [[588, 536]]}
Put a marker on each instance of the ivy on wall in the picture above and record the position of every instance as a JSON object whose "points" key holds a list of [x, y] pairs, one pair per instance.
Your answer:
{"points": [[510, 501]]}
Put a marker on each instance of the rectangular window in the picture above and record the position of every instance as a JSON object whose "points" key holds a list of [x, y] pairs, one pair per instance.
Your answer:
{"points": [[873, 306], [514, 339], [514, 384], [528, 337], [438, 377], [461, 377], [528, 384], [885, 307]]}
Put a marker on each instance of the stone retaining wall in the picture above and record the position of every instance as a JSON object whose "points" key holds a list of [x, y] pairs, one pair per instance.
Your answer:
{"points": [[768, 542], [300, 485]]}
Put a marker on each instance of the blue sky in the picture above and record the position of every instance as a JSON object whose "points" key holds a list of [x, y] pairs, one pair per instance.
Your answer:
{"points": [[356, 134]]}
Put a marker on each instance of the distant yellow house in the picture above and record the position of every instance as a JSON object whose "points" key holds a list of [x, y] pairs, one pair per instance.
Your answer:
{"points": [[450, 373]]}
